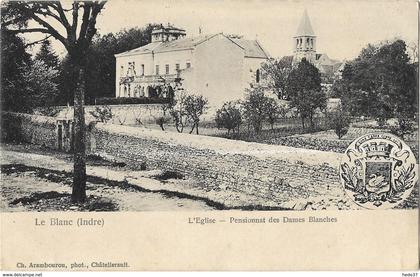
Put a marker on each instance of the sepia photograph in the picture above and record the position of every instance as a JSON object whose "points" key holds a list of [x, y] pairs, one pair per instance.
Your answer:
{"points": [[165, 115], [107, 106]]}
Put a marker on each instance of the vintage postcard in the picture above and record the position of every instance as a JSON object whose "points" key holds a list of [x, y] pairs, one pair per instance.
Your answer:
{"points": [[209, 135]]}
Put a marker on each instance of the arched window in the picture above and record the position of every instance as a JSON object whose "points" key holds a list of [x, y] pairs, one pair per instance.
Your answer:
{"points": [[257, 76]]}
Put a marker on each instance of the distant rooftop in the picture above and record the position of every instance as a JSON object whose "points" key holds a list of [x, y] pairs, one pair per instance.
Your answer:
{"points": [[251, 47]]}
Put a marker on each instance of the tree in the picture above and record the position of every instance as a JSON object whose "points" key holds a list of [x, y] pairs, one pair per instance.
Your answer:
{"points": [[304, 91], [229, 116], [381, 82], [177, 111], [273, 111], [339, 121], [77, 37], [47, 55], [161, 121], [255, 108], [194, 107], [15, 60], [41, 88], [275, 73]]}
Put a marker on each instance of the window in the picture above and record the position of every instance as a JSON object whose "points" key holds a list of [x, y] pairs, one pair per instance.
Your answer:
{"points": [[188, 65], [167, 69], [157, 69], [177, 67], [142, 69]]}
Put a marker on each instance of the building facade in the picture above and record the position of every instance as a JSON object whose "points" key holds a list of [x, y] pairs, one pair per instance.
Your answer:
{"points": [[215, 66]]}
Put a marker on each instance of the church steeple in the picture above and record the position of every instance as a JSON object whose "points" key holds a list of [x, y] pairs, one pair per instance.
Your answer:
{"points": [[305, 40]]}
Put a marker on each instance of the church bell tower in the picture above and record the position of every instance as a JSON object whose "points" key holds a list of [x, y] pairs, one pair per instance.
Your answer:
{"points": [[304, 41]]}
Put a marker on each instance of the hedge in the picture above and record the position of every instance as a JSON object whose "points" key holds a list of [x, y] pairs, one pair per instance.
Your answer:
{"points": [[130, 100]]}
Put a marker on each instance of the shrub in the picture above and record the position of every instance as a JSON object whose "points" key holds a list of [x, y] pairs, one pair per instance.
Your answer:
{"points": [[404, 127], [257, 106], [339, 121], [131, 100], [161, 120], [102, 114], [229, 117]]}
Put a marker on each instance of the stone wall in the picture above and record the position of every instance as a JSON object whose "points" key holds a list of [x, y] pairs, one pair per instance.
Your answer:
{"points": [[49, 132], [245, 173], [122, 114], [34, 129]]}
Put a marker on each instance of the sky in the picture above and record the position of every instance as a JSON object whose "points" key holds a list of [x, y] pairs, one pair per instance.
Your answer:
{"points": [[342, 28]]}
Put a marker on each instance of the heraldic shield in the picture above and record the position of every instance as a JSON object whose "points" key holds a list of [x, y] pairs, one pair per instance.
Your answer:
{"points": [[378, 171], [378, 177]]}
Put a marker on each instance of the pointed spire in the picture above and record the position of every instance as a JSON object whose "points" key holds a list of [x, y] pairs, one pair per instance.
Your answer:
{"points": [[305, 27]]}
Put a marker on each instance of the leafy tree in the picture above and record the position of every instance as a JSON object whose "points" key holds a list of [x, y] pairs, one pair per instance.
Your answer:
{"points": [[177, 110], [304, 90], [78, 22], [14, 61], [275, 74], [339, 121], [229, 116], [41, 88], [381, 82], [256, 108], [47, 55], [194, 107], [273, 112]]}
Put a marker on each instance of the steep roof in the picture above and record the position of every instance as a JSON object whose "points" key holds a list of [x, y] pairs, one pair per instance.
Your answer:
{"points": [[251, 47], [184, 43], [305, 27]]}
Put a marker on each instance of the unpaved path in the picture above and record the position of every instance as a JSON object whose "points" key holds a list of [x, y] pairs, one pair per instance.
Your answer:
{"points": [[24, 183]]}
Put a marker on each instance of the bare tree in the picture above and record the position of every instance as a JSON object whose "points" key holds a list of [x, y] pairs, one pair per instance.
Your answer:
{"points": [[78, 22]]}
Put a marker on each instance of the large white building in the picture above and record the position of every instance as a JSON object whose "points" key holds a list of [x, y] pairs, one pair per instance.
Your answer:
{"points": [[215, 66]]}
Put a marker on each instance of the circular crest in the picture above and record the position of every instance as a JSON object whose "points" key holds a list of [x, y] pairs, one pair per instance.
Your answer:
{"points": [[378, 171]]}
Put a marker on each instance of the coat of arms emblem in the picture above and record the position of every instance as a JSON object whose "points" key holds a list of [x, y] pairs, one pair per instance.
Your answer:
{"points": [[378, 171]]}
